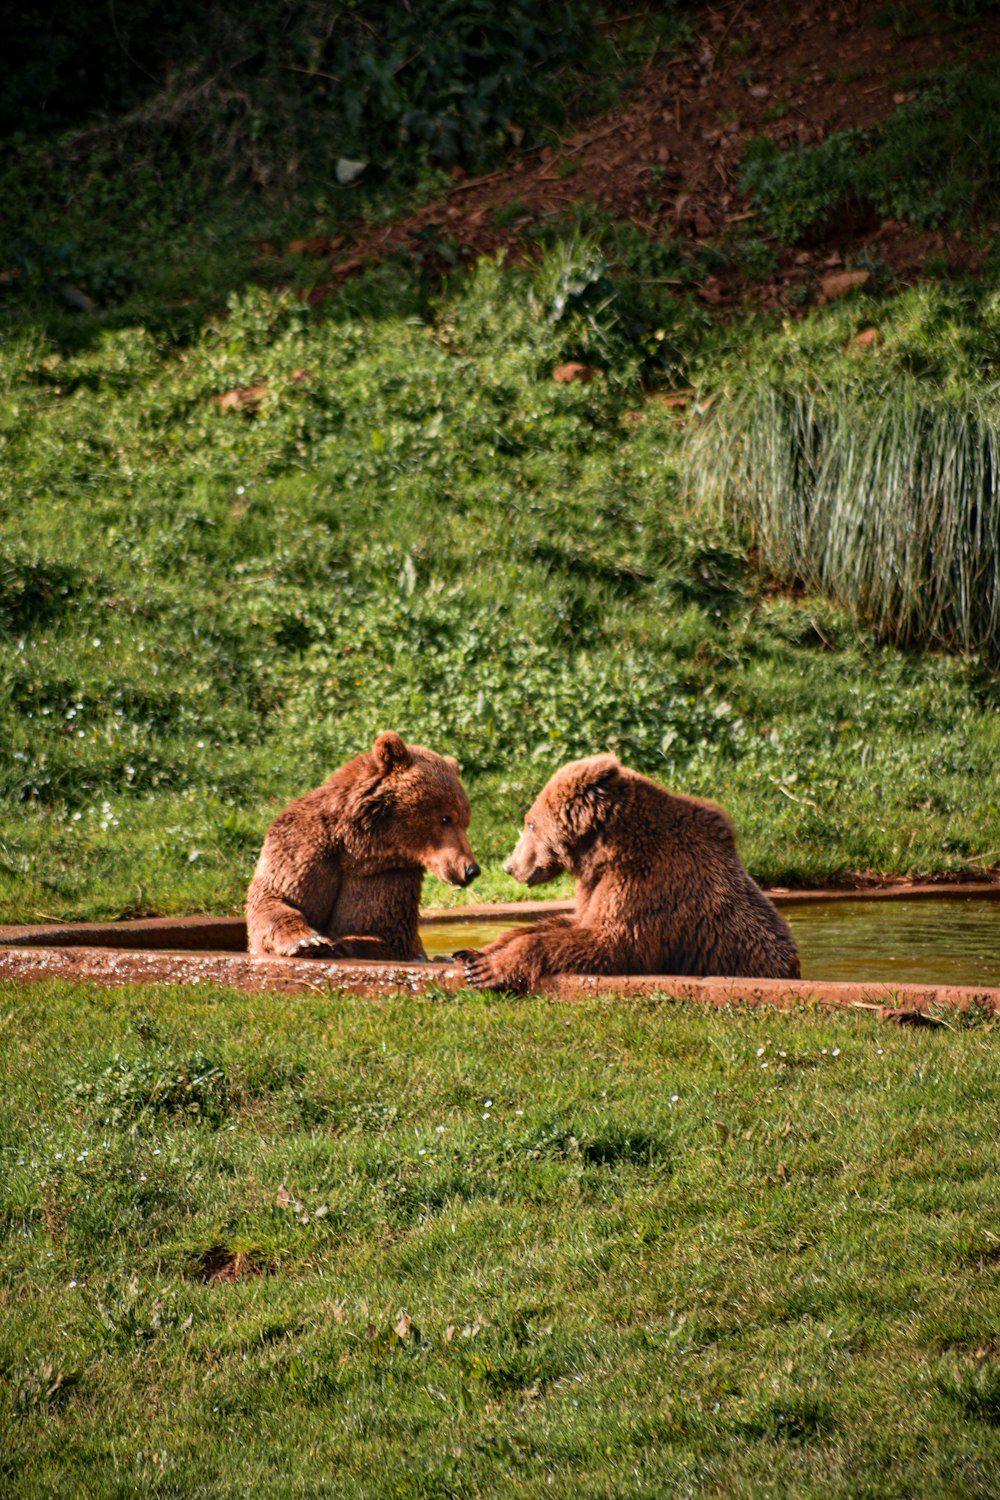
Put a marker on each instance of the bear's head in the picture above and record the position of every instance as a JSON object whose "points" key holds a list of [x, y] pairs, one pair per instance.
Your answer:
{"points": [[421, 811], [567, 819]]}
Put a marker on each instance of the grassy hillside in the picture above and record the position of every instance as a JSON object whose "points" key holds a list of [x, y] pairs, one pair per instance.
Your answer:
{"points": [[396, 518]]}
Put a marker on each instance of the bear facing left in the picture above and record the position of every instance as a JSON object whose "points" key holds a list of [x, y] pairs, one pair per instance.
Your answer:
{"points": [[340, 872]]}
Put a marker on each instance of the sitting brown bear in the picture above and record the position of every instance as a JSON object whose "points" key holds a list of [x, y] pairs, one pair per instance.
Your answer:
{"points": [[660, 887], [340, 871]]}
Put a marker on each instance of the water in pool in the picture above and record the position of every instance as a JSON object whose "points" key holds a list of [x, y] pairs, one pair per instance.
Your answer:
{"points": [[921, 942]]}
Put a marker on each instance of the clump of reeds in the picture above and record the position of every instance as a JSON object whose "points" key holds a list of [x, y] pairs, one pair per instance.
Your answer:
{"points": [[888, 501]]}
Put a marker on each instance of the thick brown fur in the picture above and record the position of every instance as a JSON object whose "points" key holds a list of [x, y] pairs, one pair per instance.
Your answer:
{"points": [[341, 868], [660, 887]]}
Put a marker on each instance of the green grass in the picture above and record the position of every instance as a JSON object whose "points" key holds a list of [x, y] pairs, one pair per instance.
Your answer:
{"points": [[643, 1248], [205, 611]]}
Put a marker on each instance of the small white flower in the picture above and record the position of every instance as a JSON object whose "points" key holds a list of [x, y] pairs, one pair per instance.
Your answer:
{"points": [[422, 1151], [486, 1115], [674, 1098], [760, 1052], [439, 1129], [142, 1177], [73, 1282], [835, 1052], [488, 1104]]}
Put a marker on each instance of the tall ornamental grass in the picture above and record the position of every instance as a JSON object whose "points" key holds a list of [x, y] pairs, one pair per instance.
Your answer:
{"points": [[888, 502]]}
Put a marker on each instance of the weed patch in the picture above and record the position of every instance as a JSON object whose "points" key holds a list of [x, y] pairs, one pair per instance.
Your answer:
{"points": [[131, 1088]]}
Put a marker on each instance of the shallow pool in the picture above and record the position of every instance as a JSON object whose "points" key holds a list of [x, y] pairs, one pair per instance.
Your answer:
{"points": [[925, 942]]}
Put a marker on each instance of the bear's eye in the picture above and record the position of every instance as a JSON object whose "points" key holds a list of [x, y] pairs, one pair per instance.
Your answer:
{"points": [[531, 827], [446, 820]]}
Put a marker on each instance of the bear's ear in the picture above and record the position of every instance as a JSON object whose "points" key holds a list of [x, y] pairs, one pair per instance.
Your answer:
{"points": [[592, 792], [604, 772], [453, 764], [390, 752]]}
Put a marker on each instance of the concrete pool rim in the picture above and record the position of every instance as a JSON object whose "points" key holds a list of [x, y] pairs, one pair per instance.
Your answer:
{"points": [[186, 950]]}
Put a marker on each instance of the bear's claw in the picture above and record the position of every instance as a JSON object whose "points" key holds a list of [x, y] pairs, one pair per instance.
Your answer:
{"points": [[478, 969], [312, 947]]}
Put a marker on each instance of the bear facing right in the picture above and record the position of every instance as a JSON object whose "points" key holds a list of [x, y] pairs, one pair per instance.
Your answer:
{"points": [[340, 872], [660, 888]]}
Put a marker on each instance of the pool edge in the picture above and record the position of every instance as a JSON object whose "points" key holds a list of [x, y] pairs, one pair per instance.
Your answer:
{"points": [[113, 967]]}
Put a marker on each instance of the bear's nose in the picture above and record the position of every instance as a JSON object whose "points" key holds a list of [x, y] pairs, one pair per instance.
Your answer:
{"points": [[506, 867], [471, 871]]}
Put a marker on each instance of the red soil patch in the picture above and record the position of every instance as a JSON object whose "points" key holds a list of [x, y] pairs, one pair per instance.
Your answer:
{"points": [[668, 160]]}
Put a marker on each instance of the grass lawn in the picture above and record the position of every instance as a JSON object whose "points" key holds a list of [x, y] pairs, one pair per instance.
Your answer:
{"points": [[468, 1247]]}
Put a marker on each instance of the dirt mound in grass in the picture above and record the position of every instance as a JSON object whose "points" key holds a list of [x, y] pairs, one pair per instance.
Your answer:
{"points": [[220, 1264], [668, 160]]}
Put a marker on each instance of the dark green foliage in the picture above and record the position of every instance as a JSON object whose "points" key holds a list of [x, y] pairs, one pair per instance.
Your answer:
{"points": [[622, 300], [455, 78], [806, 188], [934, 161]]}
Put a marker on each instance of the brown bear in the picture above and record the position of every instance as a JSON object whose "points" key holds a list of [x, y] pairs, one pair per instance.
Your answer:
{"points": [[340, 871], [660, 887]]}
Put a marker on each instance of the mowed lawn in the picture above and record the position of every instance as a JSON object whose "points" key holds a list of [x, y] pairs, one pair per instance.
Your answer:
{"points": [[467, 1246]]}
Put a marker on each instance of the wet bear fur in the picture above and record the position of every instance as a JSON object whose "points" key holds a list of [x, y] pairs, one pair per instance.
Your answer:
{"points": [[341, 868], [660, 888]]}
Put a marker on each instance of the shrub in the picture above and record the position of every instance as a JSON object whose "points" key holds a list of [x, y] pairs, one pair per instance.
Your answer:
{"points": [[453, 77]]}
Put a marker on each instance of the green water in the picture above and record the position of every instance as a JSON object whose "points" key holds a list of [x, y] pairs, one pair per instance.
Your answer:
{"points": [[921, 942]]}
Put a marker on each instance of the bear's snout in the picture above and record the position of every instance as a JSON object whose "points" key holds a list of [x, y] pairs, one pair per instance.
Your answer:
{"points": [[456, 866]]}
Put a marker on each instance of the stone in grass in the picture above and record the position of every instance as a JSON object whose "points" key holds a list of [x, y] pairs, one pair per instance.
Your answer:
{"points": [[844, 282], [868, 338], [573, 370], [246, 399]]}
